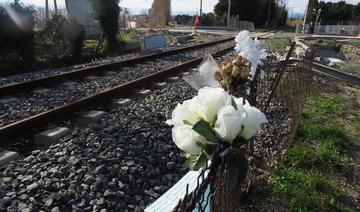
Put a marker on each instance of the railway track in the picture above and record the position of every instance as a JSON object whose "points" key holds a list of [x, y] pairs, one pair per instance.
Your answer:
{"points": [[53, 79], [58, 91], [26, 86], [46, 112], [331, 72], [122, 162], [9, 132], [340, 75]]}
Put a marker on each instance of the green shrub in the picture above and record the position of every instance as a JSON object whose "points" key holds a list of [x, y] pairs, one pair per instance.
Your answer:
{"points": [[61, 37]]}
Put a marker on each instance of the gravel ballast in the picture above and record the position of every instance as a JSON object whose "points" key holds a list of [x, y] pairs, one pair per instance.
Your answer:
{"points": [[97, 61], [28, 104], [123, 162]]}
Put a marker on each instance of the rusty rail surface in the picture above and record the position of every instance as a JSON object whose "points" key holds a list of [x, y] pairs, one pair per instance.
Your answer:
{"points": [[25, 127], [52, 80], [332, 72]]}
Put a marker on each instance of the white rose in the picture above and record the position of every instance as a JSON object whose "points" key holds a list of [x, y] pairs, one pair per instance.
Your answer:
{"points": [[253, 119], [208, 103], [240, 103], [186, 138], [228, 123], [181, 113]]}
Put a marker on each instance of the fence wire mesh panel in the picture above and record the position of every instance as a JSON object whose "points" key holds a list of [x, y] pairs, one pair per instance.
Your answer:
{"points": [[293, 89], [282, 95]]}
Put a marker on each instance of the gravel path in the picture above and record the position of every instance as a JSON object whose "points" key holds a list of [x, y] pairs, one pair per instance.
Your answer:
{"points": [[42, 73], [30, 104]]}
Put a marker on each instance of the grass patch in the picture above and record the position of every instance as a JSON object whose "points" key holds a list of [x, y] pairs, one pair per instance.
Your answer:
{"points": [[307, 190], [309, 178], [328, 152], [280, 44], [126, 36], [326, 105], [354, 42]]}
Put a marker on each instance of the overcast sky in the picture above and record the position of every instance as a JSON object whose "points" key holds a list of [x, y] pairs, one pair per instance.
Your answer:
{"points": [[181, 6]]}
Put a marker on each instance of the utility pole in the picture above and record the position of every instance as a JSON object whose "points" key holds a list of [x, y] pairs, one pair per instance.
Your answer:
{"points": [[306, 11], [317, 13], [47, 9], [269, 14], [55, 7], [200, 8], [229, 13]]}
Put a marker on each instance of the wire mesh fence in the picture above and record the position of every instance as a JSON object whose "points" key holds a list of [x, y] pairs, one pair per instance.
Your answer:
{"points": [[286, 83]]}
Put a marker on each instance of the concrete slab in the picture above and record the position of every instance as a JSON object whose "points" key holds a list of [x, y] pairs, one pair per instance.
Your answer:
{"points": [[110, 73], [122, 102], [41, 91], [160, 84], [173, 79], [91, 78], [193, 70], [144, 92], [153, 42], [7, 156], [69, 84], [89, 117], [125, 69], [51, 136], [7, 100], [185, 73]]}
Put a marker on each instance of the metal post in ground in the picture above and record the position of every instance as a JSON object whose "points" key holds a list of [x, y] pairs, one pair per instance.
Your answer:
{"points": [[47, 9], [55, 7], [269, 15], [229, 13]]}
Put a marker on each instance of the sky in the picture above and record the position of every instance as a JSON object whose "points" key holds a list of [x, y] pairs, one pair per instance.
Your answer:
{"points": [[182, 6]]}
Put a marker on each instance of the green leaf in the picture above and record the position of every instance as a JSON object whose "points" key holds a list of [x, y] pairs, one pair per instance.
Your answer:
{"points": [[186, 122], [233, 103], [201, 145], [203, 128], [196, 162], [237, 166]]}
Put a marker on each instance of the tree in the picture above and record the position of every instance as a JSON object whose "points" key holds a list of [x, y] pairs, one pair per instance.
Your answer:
{"points": [[251, 10], [107, 13], [184, 19], [17, 29], [310, 17], [339, 12]]}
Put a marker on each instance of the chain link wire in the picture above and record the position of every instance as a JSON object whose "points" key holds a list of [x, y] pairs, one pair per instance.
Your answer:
{"points": [[286, 82]]}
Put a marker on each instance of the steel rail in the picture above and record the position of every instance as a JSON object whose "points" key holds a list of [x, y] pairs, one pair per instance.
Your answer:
{"points": [[332, 72], [351, 79], [26, 126], [52, 80]]}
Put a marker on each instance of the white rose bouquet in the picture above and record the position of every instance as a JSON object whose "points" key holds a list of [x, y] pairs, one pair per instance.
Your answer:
{"points": [[213, 122]]}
